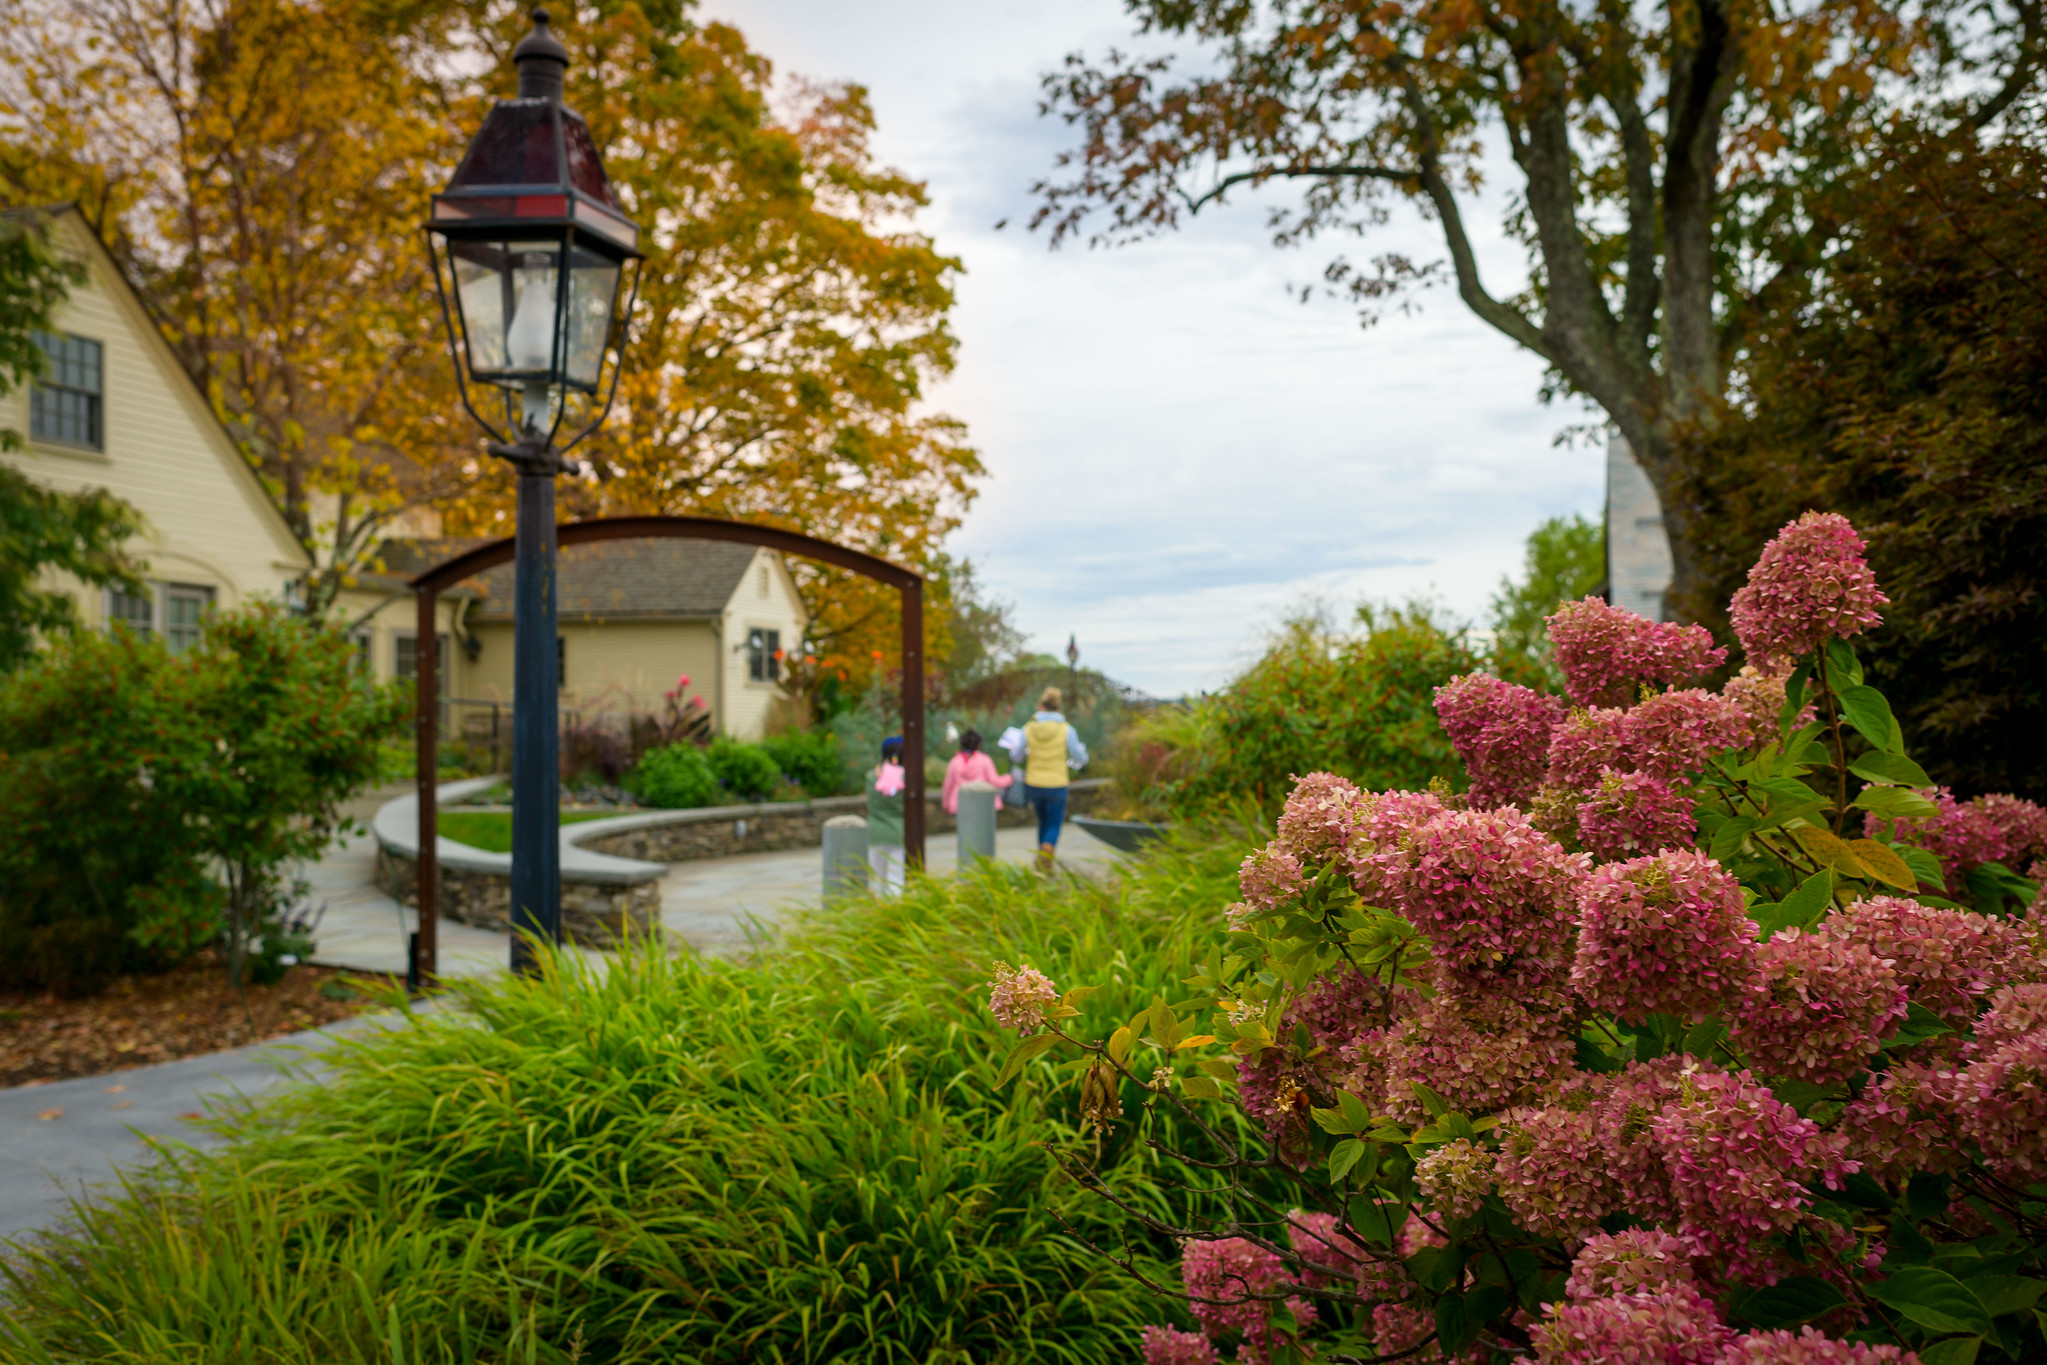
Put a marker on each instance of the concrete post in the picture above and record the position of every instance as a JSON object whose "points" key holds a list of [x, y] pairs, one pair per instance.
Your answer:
{"points": [[977, 822], [845, 857]]}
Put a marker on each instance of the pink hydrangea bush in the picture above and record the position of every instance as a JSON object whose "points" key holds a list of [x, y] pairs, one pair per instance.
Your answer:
{"points": [[1609, 654], [1643, 1049]]}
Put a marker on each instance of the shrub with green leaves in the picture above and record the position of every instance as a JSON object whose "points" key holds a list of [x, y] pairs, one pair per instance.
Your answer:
{"points": [[800, 1159], [809, 758], [745, 770], [149, 802], [1318, 700], [676, 777]]}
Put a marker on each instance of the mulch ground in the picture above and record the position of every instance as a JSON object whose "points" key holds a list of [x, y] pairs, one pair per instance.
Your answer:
{"points": [[140, 1020]]}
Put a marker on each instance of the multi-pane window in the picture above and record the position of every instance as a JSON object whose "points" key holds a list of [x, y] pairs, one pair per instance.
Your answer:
{"points": [[66, 403], [184, 615], [361, 640], [176, 611], [763, 655], [136, 613], [405, 653]]}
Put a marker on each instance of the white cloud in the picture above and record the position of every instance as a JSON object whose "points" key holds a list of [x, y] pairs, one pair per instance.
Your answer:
{"points": [[1179, 450]]}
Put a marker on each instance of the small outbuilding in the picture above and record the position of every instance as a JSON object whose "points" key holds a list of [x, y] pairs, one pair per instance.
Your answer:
{"points": [[635, 615]]}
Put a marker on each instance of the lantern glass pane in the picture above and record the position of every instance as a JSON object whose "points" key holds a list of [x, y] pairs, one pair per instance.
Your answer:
{"points": [[480, 294], [506, 292], [593, 291]]}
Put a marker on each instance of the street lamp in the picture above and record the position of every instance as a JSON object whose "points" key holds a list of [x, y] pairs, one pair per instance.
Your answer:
{"points": [[536, 247]]}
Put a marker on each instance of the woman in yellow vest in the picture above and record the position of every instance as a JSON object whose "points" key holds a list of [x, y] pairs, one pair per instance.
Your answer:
{"points": [[1050, 749]]}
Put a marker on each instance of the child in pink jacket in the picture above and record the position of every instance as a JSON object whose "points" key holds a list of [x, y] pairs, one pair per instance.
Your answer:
{"points": [[969, 765]]}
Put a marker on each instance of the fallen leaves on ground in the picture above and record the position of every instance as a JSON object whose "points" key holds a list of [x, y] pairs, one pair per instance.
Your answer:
{"points": [[140, 1020]]}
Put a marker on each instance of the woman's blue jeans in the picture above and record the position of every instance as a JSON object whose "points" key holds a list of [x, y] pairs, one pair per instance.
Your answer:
{"points": [[1050, 804]]}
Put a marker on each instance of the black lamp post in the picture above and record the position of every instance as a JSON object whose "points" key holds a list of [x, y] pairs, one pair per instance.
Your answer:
{"points": [[536, 247]]}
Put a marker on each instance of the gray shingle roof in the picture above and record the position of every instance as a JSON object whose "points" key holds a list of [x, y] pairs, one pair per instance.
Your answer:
{"points": [[649, 579]]}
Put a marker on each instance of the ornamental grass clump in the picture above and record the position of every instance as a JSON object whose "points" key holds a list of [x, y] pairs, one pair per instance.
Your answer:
{"points": [[668, 1159], [1701, 1030]]}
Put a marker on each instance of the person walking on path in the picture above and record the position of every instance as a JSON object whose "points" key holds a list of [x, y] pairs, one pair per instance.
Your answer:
{"points": [[885, 820], [969, 765], [1049, 752]]}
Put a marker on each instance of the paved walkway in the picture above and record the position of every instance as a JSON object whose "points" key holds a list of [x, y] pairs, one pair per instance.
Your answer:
{"points": [[59, 1139], [707, 903]]}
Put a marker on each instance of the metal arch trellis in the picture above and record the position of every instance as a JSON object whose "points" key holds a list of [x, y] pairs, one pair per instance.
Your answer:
{"points": [[429, 585]]}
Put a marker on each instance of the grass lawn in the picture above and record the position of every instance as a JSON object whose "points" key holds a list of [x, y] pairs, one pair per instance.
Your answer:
{"points": [[491, 830], [801, 1159]]}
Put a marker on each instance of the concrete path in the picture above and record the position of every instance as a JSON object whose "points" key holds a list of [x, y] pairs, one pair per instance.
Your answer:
{"points": [[707, 903], [60, 1139]]}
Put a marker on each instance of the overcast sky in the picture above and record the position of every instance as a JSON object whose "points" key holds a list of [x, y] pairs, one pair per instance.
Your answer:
{"points": [[1179, 451]]}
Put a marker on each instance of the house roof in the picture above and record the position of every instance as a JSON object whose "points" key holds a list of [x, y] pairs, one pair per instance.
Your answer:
{"points": [[648, 579]]}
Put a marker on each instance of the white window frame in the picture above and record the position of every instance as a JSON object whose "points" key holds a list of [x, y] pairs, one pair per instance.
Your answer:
{"points": [[158, 596]]}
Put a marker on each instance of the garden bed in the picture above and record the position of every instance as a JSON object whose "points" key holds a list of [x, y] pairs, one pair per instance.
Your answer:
{"points": [[141, 1020]]}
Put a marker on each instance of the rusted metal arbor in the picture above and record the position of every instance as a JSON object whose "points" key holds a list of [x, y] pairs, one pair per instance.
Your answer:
{"points": [[428, 587]]}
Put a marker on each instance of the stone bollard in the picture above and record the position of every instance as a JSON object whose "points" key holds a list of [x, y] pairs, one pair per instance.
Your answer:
{"points": [[845, 857], [977, 822]]}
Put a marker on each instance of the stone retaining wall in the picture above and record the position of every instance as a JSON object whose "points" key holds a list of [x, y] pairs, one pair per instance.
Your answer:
{"points": [[596, 914], [717, 832], [593, 915]]}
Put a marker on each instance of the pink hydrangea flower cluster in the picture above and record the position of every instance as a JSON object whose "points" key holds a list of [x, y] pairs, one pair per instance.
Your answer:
{"points": [[1585, 1154], [1168, 1346], [1637, 1261], [1821, 1006], [1920, 1114], [1670, 735], [1633, 813], [1666, 934], [2002, 1102], [1456, 1177], [1377, 851], [1319, 815], [1808, 1347], [1760, 695], [2022, 824], [1021, 998], [1228, 1286], [1735, 1154], [1609, 654], [1959, 833], [1484, 886], [1480, 1056], [1811, 584], [1587, 744], [1905, 1122], [1270, 877], [1946, 959], [1674, 1327], [1502, 732], [2015, 1011]]}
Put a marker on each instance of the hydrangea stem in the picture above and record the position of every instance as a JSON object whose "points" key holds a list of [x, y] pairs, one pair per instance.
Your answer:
{"points": [[1834, 729]]}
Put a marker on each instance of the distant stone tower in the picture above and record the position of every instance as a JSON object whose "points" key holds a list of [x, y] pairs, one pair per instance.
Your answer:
{"points": [[1638, 566]]}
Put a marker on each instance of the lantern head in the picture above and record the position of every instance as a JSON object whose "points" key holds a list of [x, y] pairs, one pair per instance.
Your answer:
{"points": [[535, 246]]}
